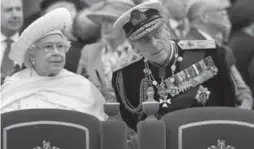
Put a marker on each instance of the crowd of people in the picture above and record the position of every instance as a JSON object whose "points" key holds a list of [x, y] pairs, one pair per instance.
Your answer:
{"points": [[73, 56]]}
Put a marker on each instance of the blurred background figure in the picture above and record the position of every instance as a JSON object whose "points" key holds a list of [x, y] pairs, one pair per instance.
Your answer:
{"points": [[241, 13], [86, 30], [176, 13], [210, 21], [100, 58], [74, 6], [11, 23], [242, 37]]}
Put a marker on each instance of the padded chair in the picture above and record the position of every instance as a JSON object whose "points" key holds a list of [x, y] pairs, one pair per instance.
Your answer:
{"points": [[58, 129], [210, 128]]}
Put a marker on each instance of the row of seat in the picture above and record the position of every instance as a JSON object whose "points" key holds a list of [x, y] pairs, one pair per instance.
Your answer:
{"points": [[194, 128]]}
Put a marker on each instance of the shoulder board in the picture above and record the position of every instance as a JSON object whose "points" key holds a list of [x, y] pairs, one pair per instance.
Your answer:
{"points": [[196, 44], [125, 63]]}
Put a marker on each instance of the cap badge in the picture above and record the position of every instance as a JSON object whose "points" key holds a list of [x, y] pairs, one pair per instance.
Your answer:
{"points": [[137, 17]]}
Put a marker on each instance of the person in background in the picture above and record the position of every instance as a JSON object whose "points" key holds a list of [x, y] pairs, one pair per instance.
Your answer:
{"points": [[183, 74], [210, 21], [240, 14], [241, 39], [176, 16], [11, 23], [45, 83], [84, 29], [74, 6], [101, 57]]}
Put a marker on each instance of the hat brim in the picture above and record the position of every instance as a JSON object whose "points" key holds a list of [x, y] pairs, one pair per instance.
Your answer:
{"points": [[98, 17], [125, 18]]}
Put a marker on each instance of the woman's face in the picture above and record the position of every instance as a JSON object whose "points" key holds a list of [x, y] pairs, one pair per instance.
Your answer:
{"points": [[107, 29], [49, 58], [155, 46]]}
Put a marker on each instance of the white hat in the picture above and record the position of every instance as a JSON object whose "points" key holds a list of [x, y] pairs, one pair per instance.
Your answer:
{"points": [[111, 9], [140, 20], [56, 21]]}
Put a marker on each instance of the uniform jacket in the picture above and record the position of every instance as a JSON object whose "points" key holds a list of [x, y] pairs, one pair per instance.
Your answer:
{"points": [[242, 90], [126, 80]]}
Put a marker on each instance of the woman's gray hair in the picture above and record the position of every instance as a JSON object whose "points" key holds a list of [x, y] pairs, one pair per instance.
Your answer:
{"points": [[28, 56]]}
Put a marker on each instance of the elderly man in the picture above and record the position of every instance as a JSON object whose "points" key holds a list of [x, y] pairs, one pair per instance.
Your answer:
{"points": [[11, 22], [183, 74], [44, 83], [210, 21]]}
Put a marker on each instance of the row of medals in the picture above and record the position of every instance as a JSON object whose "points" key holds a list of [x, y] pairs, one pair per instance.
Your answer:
{"points": [[182, 81]]}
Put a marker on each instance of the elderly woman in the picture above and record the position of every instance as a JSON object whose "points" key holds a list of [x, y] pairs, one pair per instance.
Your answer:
{"points": [[44, 83]]}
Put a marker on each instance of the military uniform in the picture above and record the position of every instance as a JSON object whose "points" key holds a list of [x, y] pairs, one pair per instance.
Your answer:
{"points": [[196, 75], [127, 82]]}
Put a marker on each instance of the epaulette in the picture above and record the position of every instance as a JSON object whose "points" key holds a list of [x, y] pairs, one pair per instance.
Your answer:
{"points": [[125, 62], [196, 44]]}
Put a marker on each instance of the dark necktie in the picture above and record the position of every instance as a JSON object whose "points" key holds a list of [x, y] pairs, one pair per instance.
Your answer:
{"points": [[7, 63]]}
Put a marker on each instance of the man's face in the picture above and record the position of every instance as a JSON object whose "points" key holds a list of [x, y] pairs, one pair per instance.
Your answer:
{"points": [[155, 46], [50, 55], [11, 15], [176, 8], [219, 20]]}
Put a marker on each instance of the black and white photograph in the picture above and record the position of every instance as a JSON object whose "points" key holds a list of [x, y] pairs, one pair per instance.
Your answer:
{"points": [[127, 74]]}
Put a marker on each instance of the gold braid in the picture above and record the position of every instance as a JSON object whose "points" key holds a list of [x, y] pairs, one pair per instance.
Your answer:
{"points": [[120, 87]]}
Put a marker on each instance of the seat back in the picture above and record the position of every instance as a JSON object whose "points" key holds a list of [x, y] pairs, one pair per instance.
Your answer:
{"points": [[210, 128], [49, 128]]}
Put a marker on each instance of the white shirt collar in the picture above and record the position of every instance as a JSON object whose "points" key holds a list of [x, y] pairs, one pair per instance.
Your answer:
{"points": [[15, 37], [207, 36], [173, 23]]}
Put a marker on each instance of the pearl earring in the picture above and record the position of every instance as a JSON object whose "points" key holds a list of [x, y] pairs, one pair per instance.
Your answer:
{"points": [[179, 59]]}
